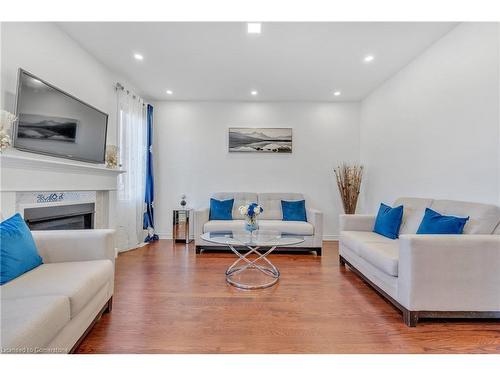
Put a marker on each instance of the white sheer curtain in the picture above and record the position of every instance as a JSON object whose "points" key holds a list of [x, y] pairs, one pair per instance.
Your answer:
{"points": [[132, 128]]}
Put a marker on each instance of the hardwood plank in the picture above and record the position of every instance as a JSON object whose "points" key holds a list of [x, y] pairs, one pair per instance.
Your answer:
{"points": [[170, 300]]}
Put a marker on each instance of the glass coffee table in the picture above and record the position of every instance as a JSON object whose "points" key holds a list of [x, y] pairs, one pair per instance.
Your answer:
{"points": [[246, 246]]}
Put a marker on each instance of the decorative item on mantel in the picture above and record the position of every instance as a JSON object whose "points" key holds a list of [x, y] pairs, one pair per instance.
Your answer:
{"points": [[183, 200], [251, 211], [111, 156], [349, 183], [7, 119]]}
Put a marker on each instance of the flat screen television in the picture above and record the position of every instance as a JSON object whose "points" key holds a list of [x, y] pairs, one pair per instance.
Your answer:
{"points": [[53, 122]]}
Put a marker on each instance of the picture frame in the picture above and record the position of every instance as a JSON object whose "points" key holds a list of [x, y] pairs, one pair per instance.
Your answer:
{"points": [[260, 140]]}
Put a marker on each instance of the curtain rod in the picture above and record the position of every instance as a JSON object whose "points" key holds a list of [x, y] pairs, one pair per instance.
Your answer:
{"points": [[119, 86]]}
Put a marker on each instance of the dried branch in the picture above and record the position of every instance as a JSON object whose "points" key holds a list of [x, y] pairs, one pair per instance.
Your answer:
{"points": [[349, 182]]}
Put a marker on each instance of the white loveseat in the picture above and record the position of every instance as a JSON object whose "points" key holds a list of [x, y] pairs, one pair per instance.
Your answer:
{"points": [[50, 308], [430, 276], [270, 219]]}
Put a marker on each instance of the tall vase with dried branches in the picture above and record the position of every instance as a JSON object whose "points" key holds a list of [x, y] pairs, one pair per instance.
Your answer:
{"points": [[349, 183]]}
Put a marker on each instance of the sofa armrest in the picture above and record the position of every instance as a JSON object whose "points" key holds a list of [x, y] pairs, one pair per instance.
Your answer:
{"points": [[200, 218], [56, 246], [449, 272], [315, 218], [357, 222]]}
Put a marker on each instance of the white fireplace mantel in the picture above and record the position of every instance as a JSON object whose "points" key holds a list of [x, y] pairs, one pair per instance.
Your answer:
{"points": [[22, 171]]}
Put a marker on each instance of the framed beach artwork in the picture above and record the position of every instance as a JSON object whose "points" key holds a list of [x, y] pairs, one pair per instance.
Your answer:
{"points": [[278, 140]]}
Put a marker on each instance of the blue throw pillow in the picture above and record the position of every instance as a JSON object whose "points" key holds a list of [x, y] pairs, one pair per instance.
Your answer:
{"points": [[294, 210], [18, 250], [435, 223], [221, 210], [388, 221]]}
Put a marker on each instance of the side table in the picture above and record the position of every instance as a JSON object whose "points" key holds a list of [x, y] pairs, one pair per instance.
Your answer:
{"points": [[181, 228]]}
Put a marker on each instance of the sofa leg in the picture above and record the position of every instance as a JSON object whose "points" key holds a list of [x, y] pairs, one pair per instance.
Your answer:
{"points": [[410, 318], [319, 252], [198, 249], [109, 306], [341, 261]]}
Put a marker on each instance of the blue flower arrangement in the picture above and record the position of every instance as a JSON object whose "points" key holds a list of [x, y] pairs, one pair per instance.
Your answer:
{"points": [[251, 211]]}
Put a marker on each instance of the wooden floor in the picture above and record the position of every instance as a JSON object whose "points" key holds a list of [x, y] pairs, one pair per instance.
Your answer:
{"points": [[170, 300]]}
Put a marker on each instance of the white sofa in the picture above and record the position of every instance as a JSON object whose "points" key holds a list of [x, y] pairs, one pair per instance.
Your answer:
{"points": [[430, 276], [50, 308], [270, 219]]}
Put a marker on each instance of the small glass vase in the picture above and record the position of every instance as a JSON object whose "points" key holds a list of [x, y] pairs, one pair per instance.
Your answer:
{"points": [[251, 225]]}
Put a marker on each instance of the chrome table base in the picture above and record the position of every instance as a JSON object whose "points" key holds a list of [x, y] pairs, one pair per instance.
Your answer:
{"points": [[270, 270]]}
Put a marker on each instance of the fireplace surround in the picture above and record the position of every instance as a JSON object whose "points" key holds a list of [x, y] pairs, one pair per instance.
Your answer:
{"points": [[41, 181]]}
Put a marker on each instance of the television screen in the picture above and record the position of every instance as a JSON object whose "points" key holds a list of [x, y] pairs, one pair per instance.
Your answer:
{"points": [[55, 123]]}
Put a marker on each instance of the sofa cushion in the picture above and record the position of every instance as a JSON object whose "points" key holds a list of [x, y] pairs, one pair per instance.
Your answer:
{"points": [[294, 210], [32, 322], [356, 239], [79, 281], [383, 255], [223, 226], [299, 228], [271, 203], [240, 199], [435, 223], [221, 210], [483, 218], [18, 252], [413, 212], [388, 221]]}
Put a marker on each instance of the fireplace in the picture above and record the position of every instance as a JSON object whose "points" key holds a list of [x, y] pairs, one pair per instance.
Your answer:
{"points": [[70, 216]]}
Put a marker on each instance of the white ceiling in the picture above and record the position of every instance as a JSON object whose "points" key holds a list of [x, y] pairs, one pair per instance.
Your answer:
{"points": [[288, 61]]}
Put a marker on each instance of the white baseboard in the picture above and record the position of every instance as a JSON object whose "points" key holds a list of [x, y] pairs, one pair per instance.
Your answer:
{"points": [[142, 244], [326, 237], [165, 236], [330, 237]]}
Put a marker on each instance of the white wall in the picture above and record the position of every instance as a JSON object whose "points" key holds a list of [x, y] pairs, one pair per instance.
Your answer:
{"points": [[191, 153], [432, 130], [46, 51]]}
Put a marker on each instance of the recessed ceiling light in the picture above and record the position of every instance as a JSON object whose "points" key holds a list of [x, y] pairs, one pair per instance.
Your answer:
{"points": [[138, 56], [337, 93], [254, 92], [368, 58], [170, 92], [254, 27]]}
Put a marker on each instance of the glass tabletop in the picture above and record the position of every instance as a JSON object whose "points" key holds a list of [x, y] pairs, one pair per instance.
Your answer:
{"points": [[255, 238]]}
